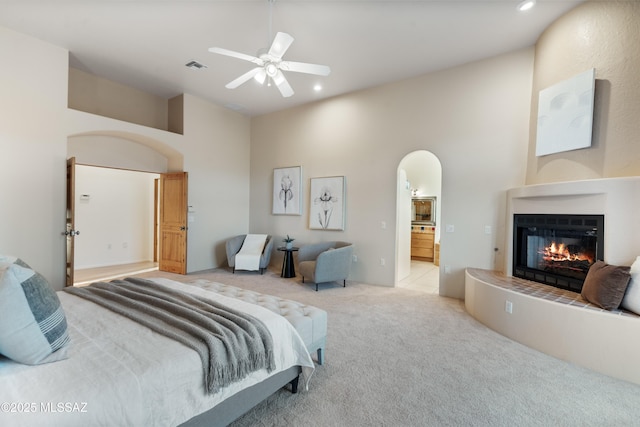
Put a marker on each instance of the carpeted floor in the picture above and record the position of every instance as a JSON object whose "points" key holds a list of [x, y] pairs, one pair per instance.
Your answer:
{"points": [[399, 357]]}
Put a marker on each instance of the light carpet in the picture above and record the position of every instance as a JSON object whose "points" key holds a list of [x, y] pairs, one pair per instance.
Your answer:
{"points": [[399, 357]]}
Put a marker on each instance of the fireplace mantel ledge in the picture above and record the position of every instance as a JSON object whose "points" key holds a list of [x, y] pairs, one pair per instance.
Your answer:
{"points": [[556, 323], [571, 188]]}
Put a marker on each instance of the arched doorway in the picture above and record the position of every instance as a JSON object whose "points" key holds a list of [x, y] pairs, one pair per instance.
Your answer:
{"points": [[419, 175]]}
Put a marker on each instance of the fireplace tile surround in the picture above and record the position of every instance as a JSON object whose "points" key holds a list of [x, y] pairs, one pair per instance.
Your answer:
{"points": [[618, 199], [557, 250]]}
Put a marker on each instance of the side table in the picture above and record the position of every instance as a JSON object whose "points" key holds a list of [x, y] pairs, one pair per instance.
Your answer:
{"points": [[288, 269]]}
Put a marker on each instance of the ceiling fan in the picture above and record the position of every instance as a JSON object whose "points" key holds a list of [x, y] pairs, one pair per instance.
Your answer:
{"points": [[270, 65]]}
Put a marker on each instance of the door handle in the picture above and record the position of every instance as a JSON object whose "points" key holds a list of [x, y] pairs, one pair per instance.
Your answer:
{"points": [[183, 228]]}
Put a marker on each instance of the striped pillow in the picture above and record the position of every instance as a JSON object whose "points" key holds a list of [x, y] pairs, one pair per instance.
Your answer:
{"points": [[8, 259], [33, 327]]}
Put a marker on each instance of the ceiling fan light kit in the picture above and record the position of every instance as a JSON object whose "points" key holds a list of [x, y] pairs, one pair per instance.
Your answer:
{"points": [[271, 69], [270, 65], [260, 76]]}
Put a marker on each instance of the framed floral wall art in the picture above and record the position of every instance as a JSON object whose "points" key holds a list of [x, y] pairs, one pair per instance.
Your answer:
{"points": [[327, 203], [287, 191]]}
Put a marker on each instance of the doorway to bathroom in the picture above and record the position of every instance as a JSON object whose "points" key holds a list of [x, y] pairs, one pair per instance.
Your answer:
{"points": [[419, 196]]}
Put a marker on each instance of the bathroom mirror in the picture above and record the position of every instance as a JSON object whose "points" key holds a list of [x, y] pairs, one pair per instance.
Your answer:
{"points": [[423, 210]]}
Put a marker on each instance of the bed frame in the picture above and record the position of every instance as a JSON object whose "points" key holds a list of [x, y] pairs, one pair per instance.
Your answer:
{"points": [[242, 402], [311, 324]]}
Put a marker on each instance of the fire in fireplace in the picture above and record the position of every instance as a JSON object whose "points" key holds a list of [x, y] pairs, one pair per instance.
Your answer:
{"points": [[557, 249]]}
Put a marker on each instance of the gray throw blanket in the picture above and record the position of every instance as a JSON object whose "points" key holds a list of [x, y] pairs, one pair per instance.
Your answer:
{"points": [[231, 344]]}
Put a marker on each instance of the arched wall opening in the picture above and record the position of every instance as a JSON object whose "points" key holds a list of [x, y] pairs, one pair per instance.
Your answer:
{"points": [[116, 201], [124, 150], [419, 175]]}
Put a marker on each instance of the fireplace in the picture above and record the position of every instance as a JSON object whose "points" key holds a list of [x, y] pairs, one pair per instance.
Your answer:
{"points": [[557, 250]]}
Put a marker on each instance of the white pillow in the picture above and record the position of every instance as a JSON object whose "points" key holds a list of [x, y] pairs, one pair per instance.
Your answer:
{"points": [[631, 300], [33, 327]]}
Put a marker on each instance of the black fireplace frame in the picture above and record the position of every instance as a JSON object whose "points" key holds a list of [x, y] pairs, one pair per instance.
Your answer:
{"points": [[584, 223]]}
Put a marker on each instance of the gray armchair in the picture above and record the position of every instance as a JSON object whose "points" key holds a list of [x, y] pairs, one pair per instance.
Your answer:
{"points": [[325, 262], [234, 244]]}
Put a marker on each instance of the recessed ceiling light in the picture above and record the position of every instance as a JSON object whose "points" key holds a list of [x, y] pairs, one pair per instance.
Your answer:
{"points": [[317, 88], [193, 64], [526, 5]]}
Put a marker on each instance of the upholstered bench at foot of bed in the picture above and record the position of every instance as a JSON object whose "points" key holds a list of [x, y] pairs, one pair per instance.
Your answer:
{"points": [[309, 321]]}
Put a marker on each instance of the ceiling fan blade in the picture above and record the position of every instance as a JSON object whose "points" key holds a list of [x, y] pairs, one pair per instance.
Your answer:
{"points": [[303, 67], [238, 55], [243, 78], [283, 85], [280, 45]]}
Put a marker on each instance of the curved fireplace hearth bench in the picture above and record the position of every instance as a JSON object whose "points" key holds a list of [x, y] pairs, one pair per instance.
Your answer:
{"points": [[556, 322]]}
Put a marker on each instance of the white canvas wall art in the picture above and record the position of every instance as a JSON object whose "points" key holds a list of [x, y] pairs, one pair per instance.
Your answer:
{"points": [[565, 115]]}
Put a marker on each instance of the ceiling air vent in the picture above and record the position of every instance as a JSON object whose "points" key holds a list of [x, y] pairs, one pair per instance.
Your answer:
{"points": [[195, 65]]}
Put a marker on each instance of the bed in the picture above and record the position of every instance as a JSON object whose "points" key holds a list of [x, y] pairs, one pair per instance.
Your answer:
{"points": [[119, 372]]}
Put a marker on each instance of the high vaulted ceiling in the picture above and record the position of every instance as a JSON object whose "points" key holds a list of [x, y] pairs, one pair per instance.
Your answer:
{"points": [[146, 44]]}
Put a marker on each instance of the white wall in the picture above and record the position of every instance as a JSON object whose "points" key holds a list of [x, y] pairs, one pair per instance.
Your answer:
{"points": [[116, 220], [403, 226], [474, 118], [96, 95], [217, 159], [33, 100]]}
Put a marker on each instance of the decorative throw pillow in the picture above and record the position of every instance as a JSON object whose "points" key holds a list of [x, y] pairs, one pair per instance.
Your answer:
{"points": [[631, 300], [8, 259], [33, 327], [605, 285]]}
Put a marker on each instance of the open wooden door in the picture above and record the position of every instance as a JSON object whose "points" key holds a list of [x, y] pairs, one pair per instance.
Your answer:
{"points": [[173, 223], [156, 218], [70, 230]]}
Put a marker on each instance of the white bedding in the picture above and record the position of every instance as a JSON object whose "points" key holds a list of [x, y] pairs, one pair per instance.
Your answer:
{"points": [[121, 373]]}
